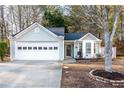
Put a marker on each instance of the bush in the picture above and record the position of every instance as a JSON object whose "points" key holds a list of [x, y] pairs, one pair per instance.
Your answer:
{"points": [[3, 50], [98, 55], [79, 54]]}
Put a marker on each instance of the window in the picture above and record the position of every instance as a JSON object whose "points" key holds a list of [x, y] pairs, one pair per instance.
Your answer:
{"points": [[94, 48], [29, 48], [45, 48], [35, 48], [55, 48], [88, 48], [19, 48], [24, 48], [40, 48], [50, 48], [80, 47]]}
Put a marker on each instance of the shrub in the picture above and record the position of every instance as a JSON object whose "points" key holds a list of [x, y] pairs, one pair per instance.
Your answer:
{"points": [[79, 54], [98, 55], [3, 50]]}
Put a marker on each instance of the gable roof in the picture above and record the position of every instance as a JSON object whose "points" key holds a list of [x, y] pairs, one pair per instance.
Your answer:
{"points": [[58, 31], [78, 35], [74, 36], [92, 35]]}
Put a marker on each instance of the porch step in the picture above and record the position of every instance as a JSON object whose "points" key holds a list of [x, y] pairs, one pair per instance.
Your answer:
{"points": [[69, 60]]}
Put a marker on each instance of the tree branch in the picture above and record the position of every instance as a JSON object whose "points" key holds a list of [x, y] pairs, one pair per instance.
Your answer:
{"points": [[117, 12]]}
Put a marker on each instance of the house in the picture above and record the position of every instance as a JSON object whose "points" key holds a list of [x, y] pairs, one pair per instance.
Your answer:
{"points": [[39, 43]]}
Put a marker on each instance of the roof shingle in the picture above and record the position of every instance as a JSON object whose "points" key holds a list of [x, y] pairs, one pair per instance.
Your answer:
{"points": [[74, 36], [59, 31]]}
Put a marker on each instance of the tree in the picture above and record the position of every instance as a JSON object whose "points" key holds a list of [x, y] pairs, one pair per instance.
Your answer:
{"points": [[2, 20], [2, 23], [21, 16], [100, 15], [53, 17], [3, 50], [74, 18], [82, 18], [108, 35]]}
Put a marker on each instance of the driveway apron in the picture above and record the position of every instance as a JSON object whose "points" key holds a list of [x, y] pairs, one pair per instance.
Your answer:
{"points": [[30, 74]]}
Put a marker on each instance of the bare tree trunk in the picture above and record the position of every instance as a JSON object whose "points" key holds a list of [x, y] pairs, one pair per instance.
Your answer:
{"points": [[13, 19], [34, 16], [108, 43], [20, 17], [108, 52], [109, 36], [27, 15], [2, 21]]}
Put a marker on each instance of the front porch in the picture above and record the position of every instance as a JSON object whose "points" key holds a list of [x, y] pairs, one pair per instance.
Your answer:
{"points": [[87, 46], [87, 49], [82, 49]]}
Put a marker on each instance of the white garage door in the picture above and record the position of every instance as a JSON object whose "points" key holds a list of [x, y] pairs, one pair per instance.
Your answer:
{"points": [[37, 51]]}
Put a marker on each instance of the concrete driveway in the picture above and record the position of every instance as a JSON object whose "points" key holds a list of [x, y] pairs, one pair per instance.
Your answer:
{"points": [[30, 74]]}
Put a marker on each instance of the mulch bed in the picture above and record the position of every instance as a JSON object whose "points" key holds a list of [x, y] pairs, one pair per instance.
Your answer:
{"points": [[77, 76], [89, 60], [108, 75]]}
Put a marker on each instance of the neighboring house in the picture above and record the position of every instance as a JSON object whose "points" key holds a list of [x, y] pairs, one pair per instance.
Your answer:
{"points": [[39, 43]]}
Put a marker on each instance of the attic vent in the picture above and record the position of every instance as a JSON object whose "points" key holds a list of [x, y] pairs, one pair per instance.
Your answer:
{"points": [[36, 30]]}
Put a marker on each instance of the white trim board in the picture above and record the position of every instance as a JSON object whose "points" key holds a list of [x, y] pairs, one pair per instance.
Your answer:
{"points": [[32, 27]]}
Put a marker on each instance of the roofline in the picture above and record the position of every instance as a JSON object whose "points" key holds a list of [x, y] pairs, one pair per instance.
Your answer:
{"points": [[24, 31], [69, 40], [88, 34], [47, 30]]}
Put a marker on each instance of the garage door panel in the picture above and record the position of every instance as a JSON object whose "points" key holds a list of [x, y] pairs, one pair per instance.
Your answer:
{"points": [[32, 54]]}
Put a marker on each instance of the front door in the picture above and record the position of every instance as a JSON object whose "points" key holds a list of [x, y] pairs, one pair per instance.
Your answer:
{"points": [[88, 49], [68, 53]]}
